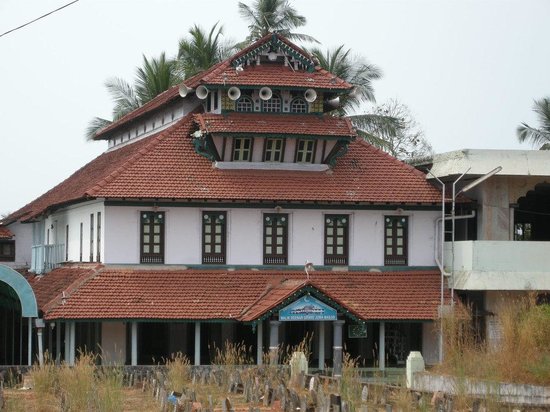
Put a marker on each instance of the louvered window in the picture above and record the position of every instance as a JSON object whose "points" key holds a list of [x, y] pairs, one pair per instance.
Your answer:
{"points": [[336, 240], [395, 240], [152, 237], [275, 239], [213, 237]]}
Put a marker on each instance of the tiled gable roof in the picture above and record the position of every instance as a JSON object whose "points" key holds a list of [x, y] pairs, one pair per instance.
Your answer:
{"points": [[78, 186], [166, 166], [224, 73], [262, 123], [5, 233], [48, 289], [116, 293], [274, 75]]}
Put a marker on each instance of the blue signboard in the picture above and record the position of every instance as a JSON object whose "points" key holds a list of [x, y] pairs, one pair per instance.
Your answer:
{"points": [[307, 308]]}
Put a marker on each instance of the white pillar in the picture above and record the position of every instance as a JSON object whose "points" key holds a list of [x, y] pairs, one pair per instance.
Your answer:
{"points": [[58, 342], [72, 340], [134, 333], [321, 345], [197, 343], [30, 342], [337, 347], [67, 341], [40, 346], [274, 341], [259, 342], [382, 346]]}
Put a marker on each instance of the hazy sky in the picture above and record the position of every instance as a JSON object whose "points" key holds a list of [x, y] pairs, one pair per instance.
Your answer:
{"points": [[468, 69]]}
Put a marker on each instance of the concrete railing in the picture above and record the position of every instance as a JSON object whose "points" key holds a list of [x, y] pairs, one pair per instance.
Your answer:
{"points": [[499, 265], [46, 257], [510, 393]]}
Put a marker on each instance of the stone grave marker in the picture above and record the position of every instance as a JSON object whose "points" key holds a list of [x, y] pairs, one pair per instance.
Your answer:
{"points": [[365, 394]]}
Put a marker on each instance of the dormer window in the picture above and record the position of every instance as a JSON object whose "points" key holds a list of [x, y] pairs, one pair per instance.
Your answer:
{"points": [[305, 150], [245, 104], [272, 105], [298, 105], [242, 149], [274, 149]]}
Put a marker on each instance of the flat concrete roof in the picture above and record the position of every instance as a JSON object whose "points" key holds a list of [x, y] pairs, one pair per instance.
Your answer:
{"points": [[481, 161]]}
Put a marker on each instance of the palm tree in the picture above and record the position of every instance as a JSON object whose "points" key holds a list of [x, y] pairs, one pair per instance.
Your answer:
{"points": [[201, 51], [273, 16], [154, 77], [539, 136], [375, 127]]}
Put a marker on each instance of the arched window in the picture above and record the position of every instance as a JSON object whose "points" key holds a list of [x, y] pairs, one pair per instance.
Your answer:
{"points": [[272, 105], [245, 104], [298, 105]]}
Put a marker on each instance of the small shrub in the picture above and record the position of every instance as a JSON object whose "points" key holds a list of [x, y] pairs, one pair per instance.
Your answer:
{"points": [[178, 373]]}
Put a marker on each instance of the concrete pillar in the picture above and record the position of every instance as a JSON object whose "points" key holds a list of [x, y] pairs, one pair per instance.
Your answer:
{"points": [[67, 341], [337, 347], [134, 345], [197, 343], [321, 345], [72, 347], [259, 342], [29, 360], [57, 342], [274, 341], [40, 346], [382, 346]]}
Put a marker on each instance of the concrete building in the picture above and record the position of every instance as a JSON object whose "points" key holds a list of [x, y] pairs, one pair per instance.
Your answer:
{"points": [[231, 207], [502, 238]]}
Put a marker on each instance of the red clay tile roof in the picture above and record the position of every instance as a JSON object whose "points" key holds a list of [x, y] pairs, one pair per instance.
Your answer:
{"points": [[224, 73], [275, 75], [166, 166], [5, 233], [271, 74], [116, 293], [48, 289], [260, 123], [77, 187]]}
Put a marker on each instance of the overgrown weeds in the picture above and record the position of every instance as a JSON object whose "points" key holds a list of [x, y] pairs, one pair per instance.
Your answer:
{"points": [[81, 387], [178, 371], [521, 353]]}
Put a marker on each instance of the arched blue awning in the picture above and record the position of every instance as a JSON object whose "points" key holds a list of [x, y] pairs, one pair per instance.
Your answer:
{"points": [[29, 308]]}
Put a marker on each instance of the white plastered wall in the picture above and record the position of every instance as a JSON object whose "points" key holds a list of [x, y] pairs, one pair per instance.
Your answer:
{"points": [[245, 231], [73, 216], [23, 243]]}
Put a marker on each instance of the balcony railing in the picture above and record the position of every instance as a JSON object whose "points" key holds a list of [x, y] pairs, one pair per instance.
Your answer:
{"points": [[46, 257], [499, 265]]}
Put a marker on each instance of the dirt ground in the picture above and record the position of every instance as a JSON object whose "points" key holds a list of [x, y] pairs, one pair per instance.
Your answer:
{"points": [[25, 401]]}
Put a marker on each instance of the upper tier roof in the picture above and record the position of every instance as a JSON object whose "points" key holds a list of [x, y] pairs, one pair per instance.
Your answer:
{"points": [[166, 166], [286, 124], [225, 74]]}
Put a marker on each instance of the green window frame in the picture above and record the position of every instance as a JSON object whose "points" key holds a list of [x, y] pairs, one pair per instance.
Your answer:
{"points": [[244, 104], [396, 240], [274, 150], [275, 239], [152, 237], [242, 149], [305, 151], [7, 250], [298, 105], [336, 240], [273, 105], [214, 237]]}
